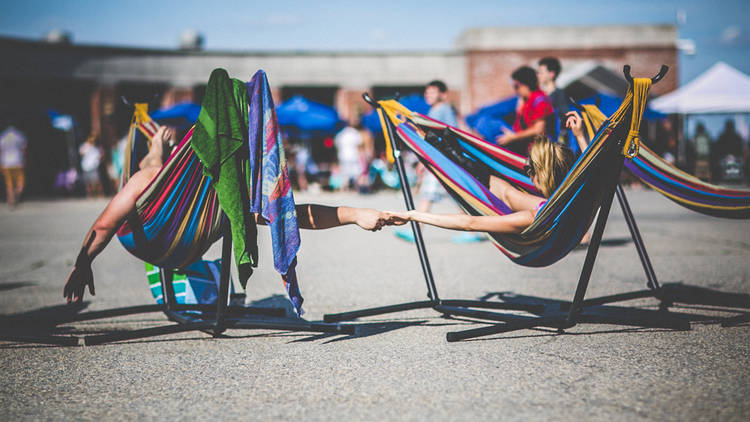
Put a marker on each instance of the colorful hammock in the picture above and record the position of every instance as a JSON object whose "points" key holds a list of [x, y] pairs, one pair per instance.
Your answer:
{"points": [[677, 185], [559, 226], [178, 214]]}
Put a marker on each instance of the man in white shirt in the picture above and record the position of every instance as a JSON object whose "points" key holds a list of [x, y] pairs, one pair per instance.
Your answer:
{"points": [[348, 144], [12, 162]]}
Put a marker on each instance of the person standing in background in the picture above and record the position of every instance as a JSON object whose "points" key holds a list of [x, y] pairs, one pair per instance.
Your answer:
{"points": [[547, 73], [348, 143], [534, 116], [91, 156], [13, 162], [430, 189], [702, 145]]}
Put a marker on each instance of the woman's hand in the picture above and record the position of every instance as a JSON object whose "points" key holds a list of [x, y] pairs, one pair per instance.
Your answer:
{"points": [[574, 122], [81, 275], [370, 219], [79, 278], [507, 137], [397, 218]]}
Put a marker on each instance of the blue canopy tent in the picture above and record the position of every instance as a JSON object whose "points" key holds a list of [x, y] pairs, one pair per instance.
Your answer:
{"points": [[306, 119], [413, 102], [182, 115], [489, 121]]}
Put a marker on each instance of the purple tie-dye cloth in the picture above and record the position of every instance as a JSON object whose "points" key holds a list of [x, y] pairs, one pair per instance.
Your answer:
{"points": [[271, 190]]}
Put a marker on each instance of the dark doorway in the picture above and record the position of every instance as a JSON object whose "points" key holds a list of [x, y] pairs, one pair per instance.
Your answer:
{"points": [[320, 94], [27, 104], [390, 91]]}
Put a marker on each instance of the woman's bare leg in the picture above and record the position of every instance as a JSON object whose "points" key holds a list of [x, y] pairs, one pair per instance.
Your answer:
{"points": [[319, 217]]}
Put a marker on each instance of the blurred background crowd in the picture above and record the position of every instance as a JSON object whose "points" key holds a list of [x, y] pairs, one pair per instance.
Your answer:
{"points": [[65, 106]]}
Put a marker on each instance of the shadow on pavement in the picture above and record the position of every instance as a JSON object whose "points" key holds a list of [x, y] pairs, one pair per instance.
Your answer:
{"points": [[693, 304], [12, 285], [615, 241], [55, 325]]}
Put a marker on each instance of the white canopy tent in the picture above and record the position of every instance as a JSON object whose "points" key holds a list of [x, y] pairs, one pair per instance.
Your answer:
{"points": [[721, 89]]}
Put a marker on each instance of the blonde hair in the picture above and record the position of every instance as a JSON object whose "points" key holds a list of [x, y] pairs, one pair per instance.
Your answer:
{"points": [[551, 162]]}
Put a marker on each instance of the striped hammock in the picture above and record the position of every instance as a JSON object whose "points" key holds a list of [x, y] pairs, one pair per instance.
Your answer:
{"points": [[682, 188], [178, 214], [559, 226]]}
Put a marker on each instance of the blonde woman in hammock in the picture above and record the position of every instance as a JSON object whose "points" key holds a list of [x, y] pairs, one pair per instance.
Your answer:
{"points": [[547, 166]]}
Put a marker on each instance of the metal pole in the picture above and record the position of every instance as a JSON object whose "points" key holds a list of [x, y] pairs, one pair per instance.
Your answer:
{"points": [[596, 239], [226, 263], [636, 235], [418, 240], [166, 277]]}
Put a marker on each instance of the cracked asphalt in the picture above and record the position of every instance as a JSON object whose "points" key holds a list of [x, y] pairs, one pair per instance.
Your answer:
{"points": [[397, 366]]}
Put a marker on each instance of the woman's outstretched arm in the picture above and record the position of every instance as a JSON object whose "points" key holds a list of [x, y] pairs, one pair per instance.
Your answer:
{"points": [[516, 199], [102, 231], [510, 223]]}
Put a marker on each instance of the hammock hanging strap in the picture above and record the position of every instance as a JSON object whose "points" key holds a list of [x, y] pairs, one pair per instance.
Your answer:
{"points": [[396, 112], [640, 89]]}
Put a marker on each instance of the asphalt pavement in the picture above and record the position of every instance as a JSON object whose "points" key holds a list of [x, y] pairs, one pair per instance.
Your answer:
{"points": [[397, 366]]}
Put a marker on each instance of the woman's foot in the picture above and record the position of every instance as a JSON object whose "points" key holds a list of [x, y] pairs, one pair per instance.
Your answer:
{"points": [[158, 147]]}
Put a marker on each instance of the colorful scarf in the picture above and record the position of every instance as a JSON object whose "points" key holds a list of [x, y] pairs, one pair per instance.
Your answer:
{"points": [[271, 190]]}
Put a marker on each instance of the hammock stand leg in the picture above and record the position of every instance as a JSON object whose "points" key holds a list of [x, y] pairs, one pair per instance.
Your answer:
{"points": [[220, 317], [441, 305], [654, 289], [575, 309]]}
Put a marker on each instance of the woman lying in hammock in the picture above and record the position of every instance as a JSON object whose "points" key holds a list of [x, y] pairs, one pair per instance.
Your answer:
{"points": [[309, 216], [547, 166]]}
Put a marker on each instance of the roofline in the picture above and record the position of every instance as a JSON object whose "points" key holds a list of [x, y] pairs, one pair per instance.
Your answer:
{"points": [[98, 48]]}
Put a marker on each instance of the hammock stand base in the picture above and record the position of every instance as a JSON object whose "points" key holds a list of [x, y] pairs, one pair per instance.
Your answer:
{"points": [[215, 319], [211, 319], [576, 310]]}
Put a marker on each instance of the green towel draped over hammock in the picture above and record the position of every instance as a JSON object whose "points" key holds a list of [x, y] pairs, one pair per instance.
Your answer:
{"points": [[218, 140]]}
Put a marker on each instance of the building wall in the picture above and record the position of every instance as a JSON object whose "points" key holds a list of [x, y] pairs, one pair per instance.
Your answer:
{"points": [[477, 71]]}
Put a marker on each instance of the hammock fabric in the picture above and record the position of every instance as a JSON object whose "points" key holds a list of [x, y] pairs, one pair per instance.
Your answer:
{"points": [[682, 188], [178, 214], [559, 226]]}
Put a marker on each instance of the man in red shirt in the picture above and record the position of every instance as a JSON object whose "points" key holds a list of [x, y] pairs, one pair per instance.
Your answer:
{"points": [[533, 114]]}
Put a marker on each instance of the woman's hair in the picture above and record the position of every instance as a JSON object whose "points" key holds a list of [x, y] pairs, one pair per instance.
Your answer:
{"points": [[551, 162], [526, 76]]}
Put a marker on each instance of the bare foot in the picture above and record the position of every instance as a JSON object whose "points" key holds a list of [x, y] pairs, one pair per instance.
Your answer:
{"points": [[585, 239], [158, 147]]}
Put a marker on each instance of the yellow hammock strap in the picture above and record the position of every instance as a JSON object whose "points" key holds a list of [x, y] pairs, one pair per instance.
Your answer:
{"points": [[388, 148], [641, 86], [593, 119], [140, 113], [397, 114]]}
